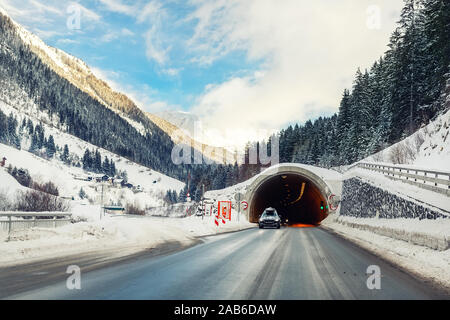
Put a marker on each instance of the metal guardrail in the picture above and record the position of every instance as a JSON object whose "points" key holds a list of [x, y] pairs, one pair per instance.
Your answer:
{"points": [[24, 220], [437, 181]]}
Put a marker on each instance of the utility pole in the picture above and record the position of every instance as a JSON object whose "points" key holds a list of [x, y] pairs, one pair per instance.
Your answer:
{"points": [[101, 204], [203, 201]]}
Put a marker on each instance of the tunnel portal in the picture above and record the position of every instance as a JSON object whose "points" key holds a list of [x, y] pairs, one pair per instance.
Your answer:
{"points": [[300, 197]]}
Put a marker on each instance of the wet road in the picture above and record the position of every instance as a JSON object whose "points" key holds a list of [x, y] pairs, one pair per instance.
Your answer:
{"points": [[290, 263]]}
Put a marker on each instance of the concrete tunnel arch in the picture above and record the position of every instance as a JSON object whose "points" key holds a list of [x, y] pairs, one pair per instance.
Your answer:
{"points": [[295, 191]]}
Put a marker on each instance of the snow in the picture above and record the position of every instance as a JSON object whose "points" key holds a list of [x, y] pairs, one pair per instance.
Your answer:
{"points": [[154, 184], [9, 186], [410, 192], [421, 261], [432, 153], [435, 228], [118, 234]]}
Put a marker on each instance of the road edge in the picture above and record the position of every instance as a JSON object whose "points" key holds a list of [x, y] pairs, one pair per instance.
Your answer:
{"points": [[368, 246]]}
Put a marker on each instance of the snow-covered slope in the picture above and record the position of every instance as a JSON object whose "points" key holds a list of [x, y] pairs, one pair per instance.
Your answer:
{"points": [[65, 177], [428, 148], [8, 186]]}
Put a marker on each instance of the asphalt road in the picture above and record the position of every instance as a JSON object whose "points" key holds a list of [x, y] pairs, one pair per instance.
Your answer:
{"points": [[290, 263]]}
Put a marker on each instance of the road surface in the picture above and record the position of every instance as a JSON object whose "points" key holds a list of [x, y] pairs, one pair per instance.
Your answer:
{"points": [[290, 263]]}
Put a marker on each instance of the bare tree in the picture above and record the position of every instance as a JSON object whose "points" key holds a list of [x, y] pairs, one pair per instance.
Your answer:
{"points": [[5, 203], [36, 201], [401, 153], [135, 209]]}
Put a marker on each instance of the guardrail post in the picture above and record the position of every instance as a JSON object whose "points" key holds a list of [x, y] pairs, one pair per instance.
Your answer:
{"points": [[54, 221], [435, 184], [9, 228]]}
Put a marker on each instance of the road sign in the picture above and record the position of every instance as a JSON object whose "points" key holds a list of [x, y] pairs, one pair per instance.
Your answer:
{"points": [[223, 212], [333, 201], [238, 197], [245, 205]]}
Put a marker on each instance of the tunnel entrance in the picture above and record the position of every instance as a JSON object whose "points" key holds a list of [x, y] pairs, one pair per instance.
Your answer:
{"points": [[299, 198]]}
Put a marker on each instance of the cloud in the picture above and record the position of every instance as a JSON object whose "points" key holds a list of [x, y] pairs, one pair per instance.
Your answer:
{"points": [[87, 13], [172, 71], [68, 41], [46, 8], [155, 49], [119, 7], [46, 34], [150, 10], [110, 36], [309, 53], [142, 95]]}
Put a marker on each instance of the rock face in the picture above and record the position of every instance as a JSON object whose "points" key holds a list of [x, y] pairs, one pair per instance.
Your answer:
{"points": [[363, 200]]}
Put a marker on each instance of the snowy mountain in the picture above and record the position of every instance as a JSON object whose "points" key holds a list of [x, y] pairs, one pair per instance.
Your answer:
{"points": [[83, 77], [80, 75], [182, 119], [180, 126], [62, 91]]}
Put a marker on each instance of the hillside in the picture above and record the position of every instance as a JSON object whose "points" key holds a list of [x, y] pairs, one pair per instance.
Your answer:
{"points": [[38, 79], [68, 176], [80, 75], [179, 134]]}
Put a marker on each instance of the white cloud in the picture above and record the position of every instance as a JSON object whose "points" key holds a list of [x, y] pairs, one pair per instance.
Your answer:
{"points": [[46, 34], [143, 96], [46, 8], [68, 41], [154, 46], [127, 32], [119, 7], [88, 14], [150, 10], [310, 49], [110, 36], [172, 71]]}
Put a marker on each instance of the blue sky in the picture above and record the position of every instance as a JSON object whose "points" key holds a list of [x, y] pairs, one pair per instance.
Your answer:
{"points": [[238, 65]]}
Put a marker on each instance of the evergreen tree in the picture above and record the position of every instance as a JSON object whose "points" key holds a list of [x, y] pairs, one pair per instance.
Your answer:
{"points": [[65, 154], [87, 160], [51, 148], [82, 194]]}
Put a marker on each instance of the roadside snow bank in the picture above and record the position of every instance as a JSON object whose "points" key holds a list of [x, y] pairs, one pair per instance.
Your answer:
{"points": [[434, 234], [124, 235], [423, 262]]}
